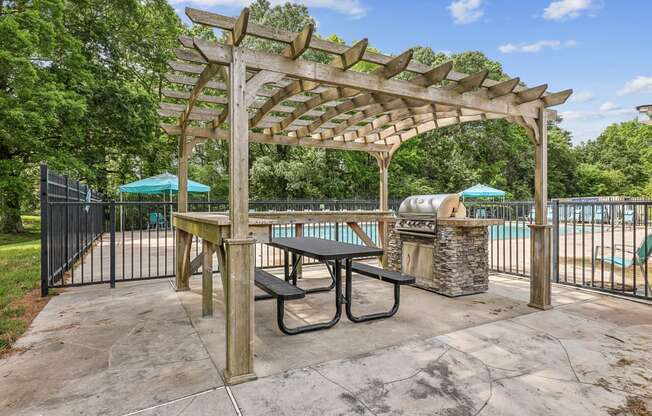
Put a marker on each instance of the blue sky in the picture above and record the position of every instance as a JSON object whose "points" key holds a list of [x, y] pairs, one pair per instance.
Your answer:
{"points": [[596, 47]]}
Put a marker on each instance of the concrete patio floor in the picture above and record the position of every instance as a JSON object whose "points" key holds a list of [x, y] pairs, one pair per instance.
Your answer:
{"points": [[143, 349]]}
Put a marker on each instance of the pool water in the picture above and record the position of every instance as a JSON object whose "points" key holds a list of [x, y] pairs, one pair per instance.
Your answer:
{"points": [[503, 232], [327, 231]]}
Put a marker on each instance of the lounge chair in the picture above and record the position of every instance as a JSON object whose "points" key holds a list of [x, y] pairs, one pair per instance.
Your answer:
{"points": [[156, 220], [627, 256], [601, 215], [628, 217]]}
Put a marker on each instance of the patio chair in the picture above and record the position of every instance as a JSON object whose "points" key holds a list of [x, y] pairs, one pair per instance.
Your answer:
{"points": [[628, 217], [480, 213], [625, 220], [156, 220], [635, 258], [601, 215]]}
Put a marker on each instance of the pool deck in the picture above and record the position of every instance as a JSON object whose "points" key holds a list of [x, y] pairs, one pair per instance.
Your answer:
{"points": [[144, 349]]}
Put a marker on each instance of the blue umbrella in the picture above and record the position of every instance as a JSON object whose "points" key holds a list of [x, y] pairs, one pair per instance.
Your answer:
{"points": [[165, 183], [482, 191]]}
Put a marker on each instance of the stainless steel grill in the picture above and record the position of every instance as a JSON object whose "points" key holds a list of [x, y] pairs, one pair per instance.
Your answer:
{"points": [[432, 206], [433, 241], [418, 214]]}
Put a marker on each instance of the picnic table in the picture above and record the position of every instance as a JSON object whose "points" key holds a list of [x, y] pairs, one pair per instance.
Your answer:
{"points": [[336, 255]]}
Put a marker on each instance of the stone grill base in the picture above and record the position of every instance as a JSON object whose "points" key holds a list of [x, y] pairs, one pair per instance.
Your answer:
{"points": [[460, 259]]}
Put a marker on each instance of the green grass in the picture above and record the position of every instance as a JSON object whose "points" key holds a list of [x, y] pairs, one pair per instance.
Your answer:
{"points": [[19, 274]]}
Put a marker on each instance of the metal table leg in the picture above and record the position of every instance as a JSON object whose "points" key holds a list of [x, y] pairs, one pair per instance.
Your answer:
{"points": [[280, 309], [292, 275], [286, 265], [371, 316]]}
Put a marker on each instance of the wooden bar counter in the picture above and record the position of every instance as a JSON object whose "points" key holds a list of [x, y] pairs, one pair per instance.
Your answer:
{"points": [[213, 229]]}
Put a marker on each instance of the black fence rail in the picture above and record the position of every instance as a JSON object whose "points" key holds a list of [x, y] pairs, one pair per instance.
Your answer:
{"points": [[509, 247], [69, 231], [90, 240], [601, 244], [605, 246]]}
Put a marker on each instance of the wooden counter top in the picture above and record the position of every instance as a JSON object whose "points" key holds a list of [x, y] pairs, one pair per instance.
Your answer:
{"points": [[219, 218]]}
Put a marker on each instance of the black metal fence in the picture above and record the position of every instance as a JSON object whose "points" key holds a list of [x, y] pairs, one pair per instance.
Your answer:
{"points": [[90, 240], [71, 223], [602, 244]]}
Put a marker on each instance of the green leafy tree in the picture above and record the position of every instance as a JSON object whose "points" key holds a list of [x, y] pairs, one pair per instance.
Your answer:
{"points": [[625, 148], [126, 46], [80, 82], [37, 112]]}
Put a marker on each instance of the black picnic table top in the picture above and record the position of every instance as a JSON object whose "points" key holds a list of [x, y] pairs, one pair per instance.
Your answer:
{"points": [[321, 249]]}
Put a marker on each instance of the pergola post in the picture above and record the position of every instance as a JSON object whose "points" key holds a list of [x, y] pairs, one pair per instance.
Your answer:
{"points": [[540, 230], [240, 248], [184, 240], [383, 159]]}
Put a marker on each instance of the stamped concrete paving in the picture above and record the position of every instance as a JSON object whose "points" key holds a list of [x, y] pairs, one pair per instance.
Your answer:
{"points": [[134, 350]]}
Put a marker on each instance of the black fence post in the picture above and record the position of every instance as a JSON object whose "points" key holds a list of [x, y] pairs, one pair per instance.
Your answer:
{"points": [[44, 231], [112, 249], [555, 240], [65, 225]]}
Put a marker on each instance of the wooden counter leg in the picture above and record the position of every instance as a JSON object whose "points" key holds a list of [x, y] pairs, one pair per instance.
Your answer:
{"points": [[184, 243], [207, 278], [239, 300]]}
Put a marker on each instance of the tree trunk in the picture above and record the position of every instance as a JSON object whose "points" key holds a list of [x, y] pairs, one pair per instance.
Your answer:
{"points": [[10, 221]]}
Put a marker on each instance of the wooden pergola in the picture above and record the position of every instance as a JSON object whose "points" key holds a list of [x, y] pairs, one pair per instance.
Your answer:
{"points": [[228, 92]]}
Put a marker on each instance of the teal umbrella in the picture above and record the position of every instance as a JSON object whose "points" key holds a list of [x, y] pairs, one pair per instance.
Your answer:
{"points": [[165, 183], [482, 191]]}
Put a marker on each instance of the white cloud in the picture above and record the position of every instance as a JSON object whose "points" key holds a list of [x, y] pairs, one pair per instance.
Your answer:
{"points": [[574, 115], [466, 11], [566, 9], [608, 106], [587, 125], [353, 8], [608, 109], [536, 46], [638, 84], [581, 97]]}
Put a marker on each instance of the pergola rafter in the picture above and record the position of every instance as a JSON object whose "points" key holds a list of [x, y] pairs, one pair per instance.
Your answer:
{"points": [[284, 99]]}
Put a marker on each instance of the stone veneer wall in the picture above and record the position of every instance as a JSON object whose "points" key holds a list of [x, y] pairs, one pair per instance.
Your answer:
{"points": [[460, 263]]}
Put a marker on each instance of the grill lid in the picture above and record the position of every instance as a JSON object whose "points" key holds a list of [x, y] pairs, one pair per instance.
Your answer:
{"points": [[433, 206]]}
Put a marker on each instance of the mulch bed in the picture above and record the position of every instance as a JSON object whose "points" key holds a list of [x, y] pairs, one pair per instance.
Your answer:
{"points": [[31, 304]]}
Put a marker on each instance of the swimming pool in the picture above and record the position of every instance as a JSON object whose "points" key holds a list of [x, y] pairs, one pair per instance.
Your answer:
{"points": [[327, 231], [507, 231]]}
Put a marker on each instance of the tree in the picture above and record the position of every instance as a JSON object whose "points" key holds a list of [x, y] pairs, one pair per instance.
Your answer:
{"points": [[37, 112], [594, 180], [80, 82], [626, 149], [126, 46]]}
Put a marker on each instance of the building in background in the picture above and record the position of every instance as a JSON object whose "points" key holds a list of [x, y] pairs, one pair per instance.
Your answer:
{"points": [[647, 111]]}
